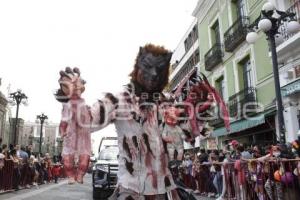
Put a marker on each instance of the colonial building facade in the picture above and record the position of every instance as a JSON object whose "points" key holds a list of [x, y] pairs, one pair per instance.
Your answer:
{"points": [[30, 135], [3, 104], [242, 73]]}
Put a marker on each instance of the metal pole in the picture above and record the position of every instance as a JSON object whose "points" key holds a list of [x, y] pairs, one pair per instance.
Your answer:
{"points": [[41, 133], [16, 124], [271, 38]]}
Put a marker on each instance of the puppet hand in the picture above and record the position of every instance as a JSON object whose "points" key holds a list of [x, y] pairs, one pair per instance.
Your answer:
{"points": [[71, 84]]}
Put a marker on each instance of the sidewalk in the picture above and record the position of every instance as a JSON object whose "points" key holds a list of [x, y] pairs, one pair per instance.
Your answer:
{"points": [[38, 186]]}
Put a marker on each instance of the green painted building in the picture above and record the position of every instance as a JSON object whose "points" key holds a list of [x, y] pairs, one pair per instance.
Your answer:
{"points": [[242, 73]]}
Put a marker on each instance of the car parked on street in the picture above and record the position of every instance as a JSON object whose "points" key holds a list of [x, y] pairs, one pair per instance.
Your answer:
{"points": [[105, 171]]}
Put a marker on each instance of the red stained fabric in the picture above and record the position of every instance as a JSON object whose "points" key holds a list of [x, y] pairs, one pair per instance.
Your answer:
{"points": [[154, 179], [148, 160], [163, 161], [220, 102], [63, 128]]}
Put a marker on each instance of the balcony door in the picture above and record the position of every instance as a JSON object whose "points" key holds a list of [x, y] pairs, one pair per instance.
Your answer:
{"points": [[241, 8], [215, 33], [220, 86], [238, 8], [249, 94], [247, 74]]}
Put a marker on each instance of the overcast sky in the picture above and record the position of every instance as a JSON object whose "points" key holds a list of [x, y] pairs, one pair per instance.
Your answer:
{"points": [[39, 38]]}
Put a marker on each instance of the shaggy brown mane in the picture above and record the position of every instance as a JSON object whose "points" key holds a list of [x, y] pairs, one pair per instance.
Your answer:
{"points": [[156, 51]]}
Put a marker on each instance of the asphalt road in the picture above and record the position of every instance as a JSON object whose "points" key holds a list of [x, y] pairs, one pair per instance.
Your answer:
{"points": [[60, 191]]}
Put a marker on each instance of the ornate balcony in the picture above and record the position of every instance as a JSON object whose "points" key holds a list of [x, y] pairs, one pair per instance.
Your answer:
{"points": [[237, 102], [295, 8], [213, 57], [236, 33]]}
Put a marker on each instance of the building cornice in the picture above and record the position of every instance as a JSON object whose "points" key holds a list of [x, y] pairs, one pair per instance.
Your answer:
{"points": [[202, 8]]}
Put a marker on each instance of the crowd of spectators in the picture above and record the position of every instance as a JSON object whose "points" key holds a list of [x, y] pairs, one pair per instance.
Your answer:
{"points": [[251, 172], [28, 168], [236, 171]]}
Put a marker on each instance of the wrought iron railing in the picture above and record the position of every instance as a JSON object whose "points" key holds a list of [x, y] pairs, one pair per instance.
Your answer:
{"points": [[238, 101], [236, 33], [213, 57], [295, 8]]}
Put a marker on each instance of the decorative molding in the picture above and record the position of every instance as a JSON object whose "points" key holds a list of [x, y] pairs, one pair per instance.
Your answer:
{"points": [[242, 51], [203, 9]]}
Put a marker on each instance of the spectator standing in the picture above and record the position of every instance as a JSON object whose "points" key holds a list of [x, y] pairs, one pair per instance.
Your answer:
{"points": [[5, 151], [16, 172], [29, 150], [48, 163], [233, 145], [2, 157], [18, 149], [203, 156], [56, 171], [25, 170], [188, 167]]}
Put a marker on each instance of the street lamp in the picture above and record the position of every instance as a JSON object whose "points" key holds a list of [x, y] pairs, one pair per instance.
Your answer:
{"points": [[16, 99], [271, 20], [42, 119]]}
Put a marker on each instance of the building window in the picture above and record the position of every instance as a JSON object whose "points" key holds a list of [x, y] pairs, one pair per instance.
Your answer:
{"points": [[215, 33], [245, 73], [186, 68], [220, 86], [191, 39], [186, 45], [195, 33], [238, 8]]}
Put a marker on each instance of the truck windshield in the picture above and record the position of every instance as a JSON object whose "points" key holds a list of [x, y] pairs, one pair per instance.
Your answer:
{"points": [[109, 154]]}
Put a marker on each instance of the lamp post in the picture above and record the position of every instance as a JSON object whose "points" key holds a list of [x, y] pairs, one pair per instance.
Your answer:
{"points": [[42, 119], [270, 22], [17, 98]]}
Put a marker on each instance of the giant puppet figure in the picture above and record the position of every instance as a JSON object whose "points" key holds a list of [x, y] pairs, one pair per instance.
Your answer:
{"points": [[143, 160]]}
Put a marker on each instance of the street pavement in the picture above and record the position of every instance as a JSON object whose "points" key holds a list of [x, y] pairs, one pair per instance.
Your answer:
{"points": [[60, 191]]}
